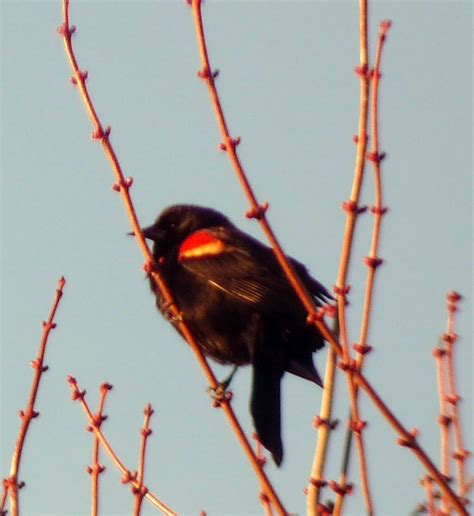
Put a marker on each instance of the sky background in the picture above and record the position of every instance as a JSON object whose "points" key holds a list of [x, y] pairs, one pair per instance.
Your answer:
{"points": [[288, 89]]}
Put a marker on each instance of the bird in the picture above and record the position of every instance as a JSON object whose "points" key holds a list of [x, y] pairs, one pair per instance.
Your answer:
{"points": [[239, 306]]}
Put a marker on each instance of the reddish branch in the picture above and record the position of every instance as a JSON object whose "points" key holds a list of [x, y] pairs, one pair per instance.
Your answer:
{"points": [[443, 420], [145, 432], [96, 469], [430, 507], [452, 395], [258, 211], [375, 157], [352, 210], [94, 425], [372, 260], [324, 426], [122, 186], [11, 484]]}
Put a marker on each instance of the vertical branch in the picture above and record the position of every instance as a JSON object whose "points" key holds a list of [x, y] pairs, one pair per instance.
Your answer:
{"points": [[340, 495], [11, 485], [341, 289], [324, 426], [444, 420], [372, 261], [375, 157], [140, 491], [5, 489], [452, 395], [96, 469], [427, 483], [351, 206]]}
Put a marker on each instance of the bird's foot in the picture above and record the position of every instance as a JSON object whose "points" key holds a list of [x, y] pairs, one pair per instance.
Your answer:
{"points": [[169, 314], [219, 394], [225, 383]]}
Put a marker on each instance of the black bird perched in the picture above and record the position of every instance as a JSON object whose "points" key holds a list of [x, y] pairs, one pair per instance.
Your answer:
{"points": [[238, 305]]}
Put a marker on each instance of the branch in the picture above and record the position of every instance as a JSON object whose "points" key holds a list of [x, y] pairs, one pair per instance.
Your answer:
{"points": [[372, 260], [128, 477], [11, 484], [96, 469], [452, 395], [145, 433], [378, 210]]}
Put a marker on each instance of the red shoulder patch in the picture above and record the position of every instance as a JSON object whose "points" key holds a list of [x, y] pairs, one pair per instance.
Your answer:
{"points": [[199, 245]]}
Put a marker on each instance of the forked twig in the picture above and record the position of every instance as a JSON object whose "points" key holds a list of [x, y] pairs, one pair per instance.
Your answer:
{"points": [[11, 484], [128, 477], [122, 186]]}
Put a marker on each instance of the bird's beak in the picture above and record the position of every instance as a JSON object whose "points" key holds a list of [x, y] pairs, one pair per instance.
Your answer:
{"points": [[151, 233]]}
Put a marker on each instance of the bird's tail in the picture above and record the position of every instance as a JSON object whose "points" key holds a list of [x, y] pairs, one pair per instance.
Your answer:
{"points": [[268, 367], [265, 407]]}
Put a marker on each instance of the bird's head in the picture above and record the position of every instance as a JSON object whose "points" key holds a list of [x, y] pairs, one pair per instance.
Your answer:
{"points": [[177, 222]]}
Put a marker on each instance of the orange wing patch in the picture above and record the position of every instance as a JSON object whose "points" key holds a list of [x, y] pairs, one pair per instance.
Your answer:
{"points": [[200, 245]]}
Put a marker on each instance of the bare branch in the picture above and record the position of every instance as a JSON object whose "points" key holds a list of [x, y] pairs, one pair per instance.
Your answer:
{"points": [[11, 484], [128, 477]]}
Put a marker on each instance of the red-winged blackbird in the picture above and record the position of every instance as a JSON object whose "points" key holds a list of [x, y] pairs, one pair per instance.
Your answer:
{"points": [[238, 305]]}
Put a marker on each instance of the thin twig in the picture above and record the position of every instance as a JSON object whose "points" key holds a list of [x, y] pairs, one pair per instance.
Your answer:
{"points": [[145, 432], [444, 420], [375, 157], [372, 260], [11, 484], [123, 186], [352, 210], [5, 489], [452, 395], [343, 475], [96, 469], [128, 477], [324, 426], [427, 483], [259, 452]]}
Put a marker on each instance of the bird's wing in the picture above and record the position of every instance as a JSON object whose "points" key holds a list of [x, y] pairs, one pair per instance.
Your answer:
{"points": [[245, 269]]}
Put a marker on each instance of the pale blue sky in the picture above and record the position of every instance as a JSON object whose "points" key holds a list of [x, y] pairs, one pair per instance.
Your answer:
{"points": [[288, 90]]}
